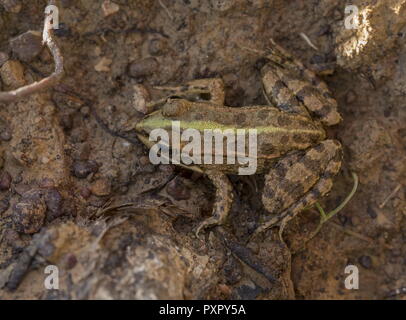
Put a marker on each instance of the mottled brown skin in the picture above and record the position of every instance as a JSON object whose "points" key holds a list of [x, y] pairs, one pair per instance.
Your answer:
{"points": [[299, 162]]}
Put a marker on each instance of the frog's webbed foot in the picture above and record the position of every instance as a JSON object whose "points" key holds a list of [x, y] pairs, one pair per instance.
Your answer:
{"points": [[293, 88], [298, 181], [223, 201], [212, 87]]}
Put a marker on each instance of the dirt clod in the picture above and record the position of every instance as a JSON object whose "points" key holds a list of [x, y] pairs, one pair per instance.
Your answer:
{"points": [[81, 169], [29, 213], [27, 46], [143, 68], [101, 187]]}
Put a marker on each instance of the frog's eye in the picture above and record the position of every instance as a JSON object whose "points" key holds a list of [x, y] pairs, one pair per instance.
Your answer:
{"points": [[173, 108]]}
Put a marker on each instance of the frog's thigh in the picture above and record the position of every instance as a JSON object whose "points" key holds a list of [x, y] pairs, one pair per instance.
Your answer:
{"points": [[292, 186], [214, 87], [223, 201]]}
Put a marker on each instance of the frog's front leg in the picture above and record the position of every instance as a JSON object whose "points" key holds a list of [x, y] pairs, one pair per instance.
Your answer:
{"points": [[213, 87], [223, 201], [298, 181]]}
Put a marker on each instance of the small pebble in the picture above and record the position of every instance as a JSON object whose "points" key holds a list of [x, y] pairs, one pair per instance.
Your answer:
{"points": [[29, 214], [70, 261], [143, 68], [53, 200], [5, 181], [81, 169], [5, 135], [371, 212], [365, 261], [109, 8], [27, 46], [141, 97], [101, 187], [85, 193], [12, 74]]}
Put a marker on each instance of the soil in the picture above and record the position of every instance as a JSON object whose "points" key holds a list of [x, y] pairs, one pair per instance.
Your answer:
{"points": [[74, 195]]}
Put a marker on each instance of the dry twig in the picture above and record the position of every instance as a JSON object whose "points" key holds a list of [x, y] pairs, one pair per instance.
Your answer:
{"points": [[10, 96]]}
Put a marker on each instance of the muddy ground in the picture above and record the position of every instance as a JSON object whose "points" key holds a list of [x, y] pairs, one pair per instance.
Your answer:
{"points": [[65, 179]]}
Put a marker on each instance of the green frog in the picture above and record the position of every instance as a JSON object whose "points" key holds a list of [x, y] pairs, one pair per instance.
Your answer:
{"points": [[298, 161]]}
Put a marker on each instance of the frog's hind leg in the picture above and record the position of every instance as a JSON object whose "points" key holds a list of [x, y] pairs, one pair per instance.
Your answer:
{"points": [[292, 87], [212, 87], [298, 181], [223, 201]]}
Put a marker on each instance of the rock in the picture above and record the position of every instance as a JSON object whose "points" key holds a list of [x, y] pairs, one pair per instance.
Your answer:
{"points": [[5, 181], [5, 135], [101, 187], [53, 201], [109, 8], [85, 193], [365, 261], [29, 214], [27, 46], [13, 6], [12, 74], [81, 169], [141, 97], [143, 68]]}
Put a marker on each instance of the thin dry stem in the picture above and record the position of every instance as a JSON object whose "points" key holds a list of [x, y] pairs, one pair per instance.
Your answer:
{"points": [[46, 83]]}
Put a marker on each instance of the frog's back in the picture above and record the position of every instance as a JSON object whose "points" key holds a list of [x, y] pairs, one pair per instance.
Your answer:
{"points": [[277, 132]]}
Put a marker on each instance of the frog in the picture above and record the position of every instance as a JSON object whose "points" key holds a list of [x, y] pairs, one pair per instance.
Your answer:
{"points": [[293, 152]]}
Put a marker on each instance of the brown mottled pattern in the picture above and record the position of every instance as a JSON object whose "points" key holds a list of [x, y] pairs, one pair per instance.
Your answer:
{"points": [[301, 184], [298, 79]]}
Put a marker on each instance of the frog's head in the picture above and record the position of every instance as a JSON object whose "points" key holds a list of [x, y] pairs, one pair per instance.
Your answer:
{"points": [[172, 110]]}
